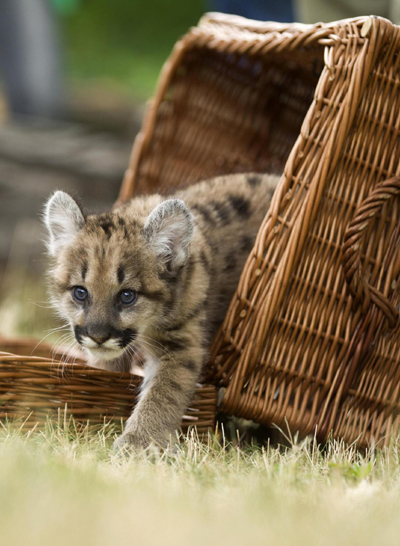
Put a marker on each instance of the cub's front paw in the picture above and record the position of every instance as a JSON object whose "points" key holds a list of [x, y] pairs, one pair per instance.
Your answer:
{"points": [[131, 441]]}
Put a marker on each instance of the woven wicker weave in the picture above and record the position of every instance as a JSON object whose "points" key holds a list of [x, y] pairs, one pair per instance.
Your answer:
{"points": [[312, 335], [33, 388]]}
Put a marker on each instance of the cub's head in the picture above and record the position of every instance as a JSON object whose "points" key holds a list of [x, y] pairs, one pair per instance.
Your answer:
{"points": [[114, 273]]}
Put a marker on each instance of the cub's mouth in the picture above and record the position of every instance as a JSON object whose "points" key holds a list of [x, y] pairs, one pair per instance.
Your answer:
{"points": [[105, 353], [104, 342]]}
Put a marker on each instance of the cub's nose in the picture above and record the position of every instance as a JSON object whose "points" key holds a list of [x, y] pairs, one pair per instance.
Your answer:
{"points": [[100, 334], [99, 339]]}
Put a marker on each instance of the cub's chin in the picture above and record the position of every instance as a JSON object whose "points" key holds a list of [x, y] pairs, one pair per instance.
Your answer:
{"points": [[108, 359]]}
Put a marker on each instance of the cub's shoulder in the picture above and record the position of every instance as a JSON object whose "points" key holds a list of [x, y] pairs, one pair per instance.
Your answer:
{"points": [[242, 183], [255, 187]]}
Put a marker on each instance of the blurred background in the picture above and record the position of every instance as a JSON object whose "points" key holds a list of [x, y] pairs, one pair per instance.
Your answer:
{"points": [[74, 79]]}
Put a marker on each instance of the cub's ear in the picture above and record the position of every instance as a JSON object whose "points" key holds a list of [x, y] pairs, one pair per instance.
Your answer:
{"points": [[63, 219], [169, 229]]}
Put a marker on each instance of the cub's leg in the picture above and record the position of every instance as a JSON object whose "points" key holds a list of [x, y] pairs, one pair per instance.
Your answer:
{"points": [[167, 389]]}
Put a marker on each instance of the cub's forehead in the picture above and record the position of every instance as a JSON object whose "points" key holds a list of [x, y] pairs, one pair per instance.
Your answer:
{"points": [[107, 243], [111, 225]]}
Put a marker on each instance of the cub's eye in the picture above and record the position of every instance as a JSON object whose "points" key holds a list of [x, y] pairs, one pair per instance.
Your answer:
{"points": [[127, 297], [80, 293]]}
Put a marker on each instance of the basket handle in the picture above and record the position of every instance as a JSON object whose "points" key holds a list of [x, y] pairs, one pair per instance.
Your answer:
{"points": [[362, 292]]}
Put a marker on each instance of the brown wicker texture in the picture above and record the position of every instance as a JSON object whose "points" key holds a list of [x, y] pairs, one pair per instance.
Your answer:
{"points": [[33, 388], [312, 335]]}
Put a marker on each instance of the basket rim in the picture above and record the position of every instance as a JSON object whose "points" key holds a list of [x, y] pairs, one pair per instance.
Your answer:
{"points": [[215, 17], [33, 342]]}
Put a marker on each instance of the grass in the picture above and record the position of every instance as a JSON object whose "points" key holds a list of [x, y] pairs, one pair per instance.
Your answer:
{"points": [[24, 307], [125, 42], [65, 486]]}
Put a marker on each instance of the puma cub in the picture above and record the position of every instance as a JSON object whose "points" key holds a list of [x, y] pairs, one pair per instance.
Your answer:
{"points": [[151, 281]]}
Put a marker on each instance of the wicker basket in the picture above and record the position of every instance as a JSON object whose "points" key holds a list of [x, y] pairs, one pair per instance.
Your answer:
{"points": [[34, 388], [312, 334]]}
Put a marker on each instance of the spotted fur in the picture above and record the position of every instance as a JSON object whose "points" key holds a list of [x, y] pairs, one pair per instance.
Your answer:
{"points": [[182, 258]]}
